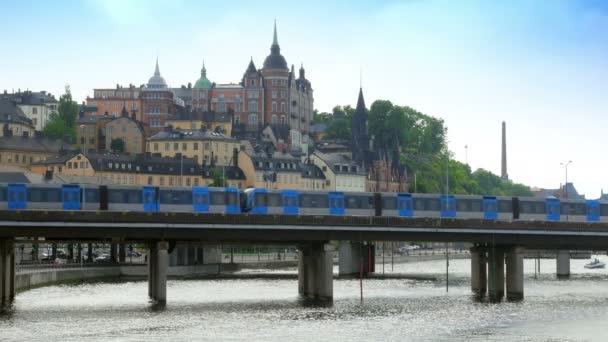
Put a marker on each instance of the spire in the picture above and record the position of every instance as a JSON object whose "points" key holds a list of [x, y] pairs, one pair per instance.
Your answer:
{"points": [[204, 70], [275, 41], [360, 102], [251, 67], [503, 173], [156, 71]]}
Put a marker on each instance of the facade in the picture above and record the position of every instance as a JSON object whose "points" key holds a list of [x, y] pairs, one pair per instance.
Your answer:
{"points": [[13, 120], [36, 106], [341, 173], [273, 170], [90, 132], [106, 101], [158, 102], [130, 131], [140, 170], [384, 177], [203, 146], [23, 151]]}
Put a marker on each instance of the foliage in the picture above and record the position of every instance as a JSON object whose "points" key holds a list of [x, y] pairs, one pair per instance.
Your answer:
{"points": [[63, 122], [218, 179], [117, 145]]}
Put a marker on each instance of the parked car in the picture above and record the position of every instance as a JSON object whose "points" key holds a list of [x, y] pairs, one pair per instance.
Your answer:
{"points": [[103, 258], [134, 254]]}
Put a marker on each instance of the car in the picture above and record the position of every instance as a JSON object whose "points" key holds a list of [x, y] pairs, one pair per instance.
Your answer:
{"points": [[135, 254], [103, 258]]}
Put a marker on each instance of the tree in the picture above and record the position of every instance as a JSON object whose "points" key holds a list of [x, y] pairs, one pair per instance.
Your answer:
{"points": [[339, 129], [117, 145], [63, 122], [218, 179]]}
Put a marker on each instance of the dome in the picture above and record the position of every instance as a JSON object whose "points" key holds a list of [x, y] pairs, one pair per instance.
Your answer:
{"points": [[157, 81], [203, 82]]}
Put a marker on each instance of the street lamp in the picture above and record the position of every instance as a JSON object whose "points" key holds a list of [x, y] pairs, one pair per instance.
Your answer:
{"points": [[565, 165], [84, 153]]}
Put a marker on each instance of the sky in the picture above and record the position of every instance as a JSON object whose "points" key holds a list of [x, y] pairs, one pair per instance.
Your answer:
{"points": [[541, 66]]}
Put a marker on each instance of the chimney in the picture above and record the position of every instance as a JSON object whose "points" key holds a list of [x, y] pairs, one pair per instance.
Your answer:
{"points": [[503, 170]]}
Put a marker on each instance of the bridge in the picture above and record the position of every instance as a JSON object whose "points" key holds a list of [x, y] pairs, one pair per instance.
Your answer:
{"points": [[496, 243]]}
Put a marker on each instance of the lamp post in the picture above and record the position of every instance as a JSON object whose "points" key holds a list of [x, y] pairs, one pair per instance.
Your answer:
{"points": [[84, 153], [565, 165]]}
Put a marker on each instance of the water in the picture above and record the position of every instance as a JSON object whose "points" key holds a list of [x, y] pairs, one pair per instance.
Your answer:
{"points": [[394, 309]]}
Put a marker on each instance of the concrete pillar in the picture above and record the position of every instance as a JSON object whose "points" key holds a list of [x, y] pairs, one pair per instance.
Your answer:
{"points": [[515, 273], [158, 263], [349, 257], [563, 263], [122, 252], [315, 271], [479, 277], [113, 254], [7, 271], [496, 273]]}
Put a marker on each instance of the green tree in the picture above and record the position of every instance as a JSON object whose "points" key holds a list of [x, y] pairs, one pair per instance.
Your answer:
{"points": [[218, 179], [57, 128], [117, 145], [68, 109], [339, 129]]}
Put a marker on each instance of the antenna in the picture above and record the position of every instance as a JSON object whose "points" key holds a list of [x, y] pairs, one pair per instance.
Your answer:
{"points": [[360, 77]]}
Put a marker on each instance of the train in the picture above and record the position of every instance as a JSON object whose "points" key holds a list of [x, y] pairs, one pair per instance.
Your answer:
{"points": [[259, 201]]}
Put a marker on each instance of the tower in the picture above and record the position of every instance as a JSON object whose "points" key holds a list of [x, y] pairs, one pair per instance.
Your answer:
{"points": [[503, 170], [360, 137]]}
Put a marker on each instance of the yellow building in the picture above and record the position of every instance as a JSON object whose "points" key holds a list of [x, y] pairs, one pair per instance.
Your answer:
{"points": [[276, 170], [204, 146], [23, 151], [141, 170], [212, 121], [90, 132], [13, 121], [130, 131]]}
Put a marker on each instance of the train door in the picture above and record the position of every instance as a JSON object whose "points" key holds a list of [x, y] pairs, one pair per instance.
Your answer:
{"points": [[290, 202], [405, 205], [336, 203], [232, 201], [17, 196], [490, 208], [70, 196], [553, 209], [200, 199], [448, 206], [593, 211], [150, 196]]}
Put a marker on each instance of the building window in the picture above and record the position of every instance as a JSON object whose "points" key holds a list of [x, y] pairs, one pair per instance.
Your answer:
{"points": [[195, 146], [170, 180], [155, 147], [175, 146], [195, 181], [188, 181], [237, 107], [149, 180], [253, 106], [221, 107], [274, 106], [162, 180], [283, 120], [282, 107], [283, 94], [237, 119], [274, 82], [253, 119], [275, 119], [184, 146], [274, 94]]}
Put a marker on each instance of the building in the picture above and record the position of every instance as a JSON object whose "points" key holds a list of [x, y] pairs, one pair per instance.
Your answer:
{"points": [[13, 120], [386, 176], [133, 134], [270, 169], [23, 151], [567, 192], [142, 169], [110, 101], [193, 120], [312, 178], [341, 173], [204, 146], [158, 102], [36, 106], [90, 132]]}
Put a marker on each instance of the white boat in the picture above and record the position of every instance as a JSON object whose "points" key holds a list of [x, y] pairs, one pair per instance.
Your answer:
{"points": [[595, 264]]}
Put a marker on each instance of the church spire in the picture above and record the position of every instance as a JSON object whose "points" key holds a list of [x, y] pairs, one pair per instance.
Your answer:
{"points": [[360, 102], [156, 70], [204, 70]]}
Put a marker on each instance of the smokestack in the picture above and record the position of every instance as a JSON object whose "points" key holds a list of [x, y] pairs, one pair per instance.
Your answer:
{"points": [[503, 170]]}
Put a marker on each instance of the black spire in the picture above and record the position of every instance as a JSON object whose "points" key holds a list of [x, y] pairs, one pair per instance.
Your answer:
{"points": [[251, 67], [360, 102], [275, 60]]}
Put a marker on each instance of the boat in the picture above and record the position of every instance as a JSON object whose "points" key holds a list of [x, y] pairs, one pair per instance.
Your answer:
{"points": [[595, 264]]}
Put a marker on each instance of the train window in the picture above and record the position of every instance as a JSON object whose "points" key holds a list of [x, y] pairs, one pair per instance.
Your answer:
{"points": [[201, 199], [175, 197], [134, 196], [34, 195], [117, 196], [354, 202], [2, 194], [217, 198], [420, 204], [313, 201], [92, 195], [604, 209], [274, 200], [433, 204], [463, 204], [476, 205], [504, 206], [261, 199], [231, 198], [389, 203]]}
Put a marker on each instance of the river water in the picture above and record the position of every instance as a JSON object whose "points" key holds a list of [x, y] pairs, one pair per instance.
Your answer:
{"points": [[268, 308]]}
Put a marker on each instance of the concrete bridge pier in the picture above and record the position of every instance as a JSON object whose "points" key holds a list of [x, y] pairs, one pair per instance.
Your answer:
{"points": [[496, 273], [7, 271], [349, 257], [158, 263], [479, 276], [563, 263], [515, 273], [315, 270]]}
